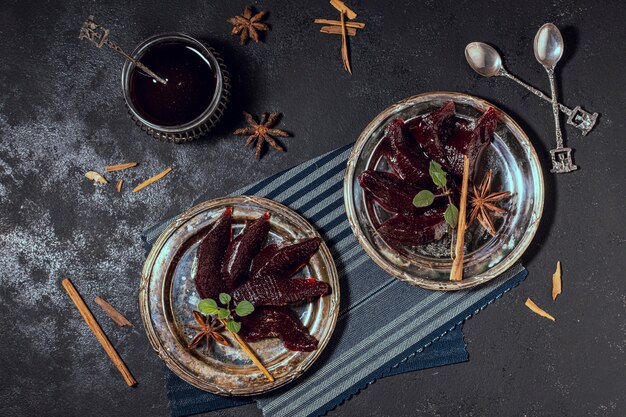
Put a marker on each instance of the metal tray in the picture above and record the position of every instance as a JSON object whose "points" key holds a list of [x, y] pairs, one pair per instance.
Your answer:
{"points": [[167, 297], [516, 168]]}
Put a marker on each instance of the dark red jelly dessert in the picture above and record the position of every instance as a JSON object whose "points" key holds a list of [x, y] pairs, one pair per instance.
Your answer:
{"points": [[280, 322], [403, 154], [272, 291], [243, 249], [437, 136], [470, 140], [433, 130], [284, 261], [415, 230], [189, 91], [209, 256], [392, 193], [226, 266]]}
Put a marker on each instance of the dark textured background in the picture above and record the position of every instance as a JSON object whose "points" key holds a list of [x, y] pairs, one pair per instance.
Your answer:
{"points": [[62, 114]]}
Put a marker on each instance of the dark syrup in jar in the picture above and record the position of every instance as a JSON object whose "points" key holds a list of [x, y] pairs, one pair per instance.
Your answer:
{"points": [[191, 84]]}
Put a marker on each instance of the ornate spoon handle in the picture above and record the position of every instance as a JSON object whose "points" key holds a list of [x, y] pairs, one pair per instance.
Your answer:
{"points": [[577, 117]]}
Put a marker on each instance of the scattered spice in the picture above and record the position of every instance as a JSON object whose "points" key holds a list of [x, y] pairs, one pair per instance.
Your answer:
{"points": [[152, 179], [536, 309], [335, 30], [115, 315], [247, 25], [119, 167], [118, 186], [456, 273], [352, 25], [96, 177], [262, 132], [556, 281], [97, 331], [483, 204], [209, 329]]}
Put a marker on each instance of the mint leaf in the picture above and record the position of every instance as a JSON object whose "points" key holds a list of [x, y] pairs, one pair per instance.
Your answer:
{"points": [[244, 308], [207, 306], [451, 215], [233, 326], [423, 199], [437, 174], [223, 313], [224, 298]]}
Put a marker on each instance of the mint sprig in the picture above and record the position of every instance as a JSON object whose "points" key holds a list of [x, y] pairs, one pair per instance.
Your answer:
{"points": [[209, 307], [425, 197]]}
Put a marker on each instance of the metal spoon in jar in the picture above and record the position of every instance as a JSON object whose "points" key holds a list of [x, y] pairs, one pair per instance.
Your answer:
{"points": [[487, 62], [548, 47]]}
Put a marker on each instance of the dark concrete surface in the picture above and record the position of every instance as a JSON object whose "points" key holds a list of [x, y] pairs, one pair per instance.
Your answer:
{"points": [[61, 114]]}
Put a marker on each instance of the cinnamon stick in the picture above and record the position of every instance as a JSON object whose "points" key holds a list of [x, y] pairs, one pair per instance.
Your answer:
{"points": [[336, 30], [152, 180], [118, 186], [120, 167], [355, 25], [344, 45], [115, 315], [456, 273], [343, 9], [244, 346], [97, 331]]}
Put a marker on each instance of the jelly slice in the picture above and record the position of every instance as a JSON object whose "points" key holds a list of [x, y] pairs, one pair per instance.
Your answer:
{"points": [[209, 256], [279, 322], [242, 249]]}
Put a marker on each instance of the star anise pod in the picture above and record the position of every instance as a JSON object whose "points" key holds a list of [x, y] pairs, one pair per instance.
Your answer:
{"points": [[483, 204], [208, 330], [262, 132], [247, 25]]}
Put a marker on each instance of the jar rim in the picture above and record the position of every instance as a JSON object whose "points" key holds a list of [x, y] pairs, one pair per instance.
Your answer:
{"points": [[138, 52]]}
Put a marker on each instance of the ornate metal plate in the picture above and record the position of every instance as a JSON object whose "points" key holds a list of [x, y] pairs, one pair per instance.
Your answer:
{"points": [[516, 168], [167, 297]]}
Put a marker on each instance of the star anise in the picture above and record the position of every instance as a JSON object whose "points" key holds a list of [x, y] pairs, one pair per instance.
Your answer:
{"points": [[483, 204], [247, 25], [262, 132], [208, 329]]}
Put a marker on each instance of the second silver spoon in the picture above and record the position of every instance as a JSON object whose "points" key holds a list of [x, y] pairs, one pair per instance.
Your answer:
{"points": [[548, 47]]}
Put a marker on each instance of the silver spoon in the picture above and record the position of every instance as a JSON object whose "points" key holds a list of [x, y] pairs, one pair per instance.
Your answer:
{"points": [[548, 47], [487, 62]]}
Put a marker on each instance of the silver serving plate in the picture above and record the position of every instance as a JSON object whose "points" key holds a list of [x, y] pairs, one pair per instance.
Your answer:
{"points": [[167, 297], [516, 168]]}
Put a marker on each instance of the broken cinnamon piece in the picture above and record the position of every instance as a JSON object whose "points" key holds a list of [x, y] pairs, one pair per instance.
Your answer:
{"points": [[115, 315], [118, 186], [152, 180], [96, 177], [537, 310], [336, 30], [355, 25], [343, 9], [119, 167], [556, 281]]}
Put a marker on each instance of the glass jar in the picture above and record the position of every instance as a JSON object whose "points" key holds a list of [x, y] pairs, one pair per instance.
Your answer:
{"points": [[195, 96]]}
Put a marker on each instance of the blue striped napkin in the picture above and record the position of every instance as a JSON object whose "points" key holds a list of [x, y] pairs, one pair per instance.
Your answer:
{"points": [[368, 343]]}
